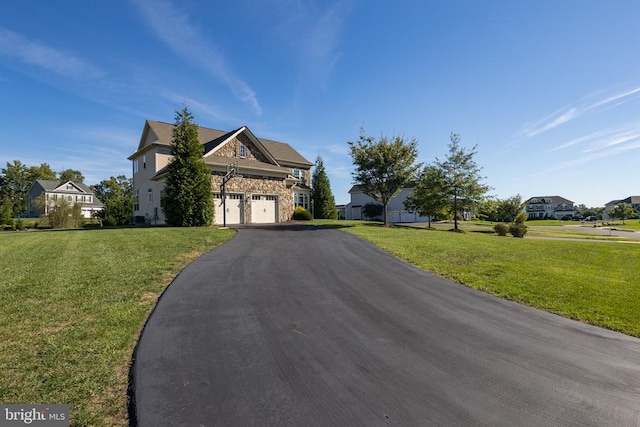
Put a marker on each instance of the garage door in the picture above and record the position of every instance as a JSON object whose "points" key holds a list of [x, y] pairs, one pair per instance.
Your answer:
{"points": [[233, 207], [264, 209]]}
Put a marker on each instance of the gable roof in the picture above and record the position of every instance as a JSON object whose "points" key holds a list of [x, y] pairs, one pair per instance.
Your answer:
{"points": [[554, 200], [632, 200], [162, 133], [56, 185]]}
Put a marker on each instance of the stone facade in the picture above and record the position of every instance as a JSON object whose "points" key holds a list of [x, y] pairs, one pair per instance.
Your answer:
{"points": [[232, 149], [249, 185]]}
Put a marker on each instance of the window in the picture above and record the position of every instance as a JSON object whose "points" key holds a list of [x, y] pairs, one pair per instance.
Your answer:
{"points": [[70, 198], [69, 187], [150, 196], [301, 199], [243, 151], [298, 173], [136, 200], [135, 166], [144, 161]]}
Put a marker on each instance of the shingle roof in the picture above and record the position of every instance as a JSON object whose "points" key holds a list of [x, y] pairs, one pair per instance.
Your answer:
{"points": [[211, 138], [556, 200], [51, 186]]}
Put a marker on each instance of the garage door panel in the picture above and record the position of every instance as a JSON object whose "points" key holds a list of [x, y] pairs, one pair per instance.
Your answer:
{"points": [[234, 209], [264, 209]]}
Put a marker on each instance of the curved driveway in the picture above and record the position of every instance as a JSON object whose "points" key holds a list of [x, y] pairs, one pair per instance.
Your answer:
{"points": [[297, 326]]}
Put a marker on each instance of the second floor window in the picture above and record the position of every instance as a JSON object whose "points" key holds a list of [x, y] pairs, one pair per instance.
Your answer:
{"points": [[298, 173], [150, 196], [135, 166], [243, 151]]}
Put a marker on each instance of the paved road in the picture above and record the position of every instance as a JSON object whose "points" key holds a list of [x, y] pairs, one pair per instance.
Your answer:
{"points": [[296, 326], [600, 231]]}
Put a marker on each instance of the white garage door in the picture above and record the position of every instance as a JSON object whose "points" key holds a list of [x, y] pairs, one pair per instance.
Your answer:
{"points": [[264, 209], [233, 207]]}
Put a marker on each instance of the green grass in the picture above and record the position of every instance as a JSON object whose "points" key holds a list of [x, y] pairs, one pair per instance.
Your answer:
{"points": [[593, 282], [71, 307]]}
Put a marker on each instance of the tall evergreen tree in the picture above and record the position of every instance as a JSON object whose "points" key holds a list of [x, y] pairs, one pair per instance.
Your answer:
{"points": [[14, 184], [188, 196], [324, 205]]}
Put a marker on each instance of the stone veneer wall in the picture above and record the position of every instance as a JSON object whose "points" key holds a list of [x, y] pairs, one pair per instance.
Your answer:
{"points": [[232, 149], [251, 184]]}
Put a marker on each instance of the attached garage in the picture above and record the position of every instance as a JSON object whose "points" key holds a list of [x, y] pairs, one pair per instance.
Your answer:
{"points": [[234, 209], [264, 209]]}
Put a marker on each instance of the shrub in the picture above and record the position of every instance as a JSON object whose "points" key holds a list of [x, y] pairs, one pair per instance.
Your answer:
{"points": [[300, 213], [372, 210], [501, 229], [518, 230], [521, 218], [19, 224]]}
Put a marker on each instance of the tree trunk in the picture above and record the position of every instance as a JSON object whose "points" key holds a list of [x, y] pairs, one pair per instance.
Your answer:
{"points": [[455, 212], [384, 214]]}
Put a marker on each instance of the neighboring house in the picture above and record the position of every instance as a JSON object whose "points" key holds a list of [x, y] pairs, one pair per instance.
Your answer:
{"points": [[549, 207], [396, 211], [273, 177], [70, 191], [633, 201]]}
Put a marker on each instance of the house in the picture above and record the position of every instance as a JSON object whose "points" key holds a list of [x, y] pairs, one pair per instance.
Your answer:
{"points": [[272, 178], [633, 201], [52, 190], [549, 207], [396, 211]]}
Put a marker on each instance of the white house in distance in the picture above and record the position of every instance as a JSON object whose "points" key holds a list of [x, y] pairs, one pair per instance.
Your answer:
{"points": [[633, 201], [551, 207], [396, 211]]}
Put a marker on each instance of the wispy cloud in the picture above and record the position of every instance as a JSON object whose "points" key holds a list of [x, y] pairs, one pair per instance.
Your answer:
{"points": [[603, 139], [175, 28], [35, 53], [578, 109], [320, 45]]}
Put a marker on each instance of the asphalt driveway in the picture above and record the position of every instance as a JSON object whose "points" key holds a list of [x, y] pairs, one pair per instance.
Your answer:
{"points": [[297, 326]]}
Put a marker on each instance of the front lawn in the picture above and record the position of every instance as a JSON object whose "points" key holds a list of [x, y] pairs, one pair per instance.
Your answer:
{"points": [[71, 307]]}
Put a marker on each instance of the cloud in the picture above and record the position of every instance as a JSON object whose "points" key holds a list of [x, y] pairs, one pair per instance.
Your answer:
{"points": [[320, 44], [40, 55], [181, 35], [603, 139], [578, 109]]}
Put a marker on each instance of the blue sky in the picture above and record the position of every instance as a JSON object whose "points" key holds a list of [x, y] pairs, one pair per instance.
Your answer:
{"points": [[548, 90]]}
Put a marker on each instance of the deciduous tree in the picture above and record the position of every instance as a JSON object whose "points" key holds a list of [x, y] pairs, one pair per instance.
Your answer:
{"points": [[383, 165], [324, 205], [72, 175], [117, 196], [622, 211], [188, 193], [429, 197]]}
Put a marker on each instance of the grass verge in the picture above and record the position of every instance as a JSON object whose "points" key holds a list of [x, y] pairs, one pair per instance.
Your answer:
{"points": [[593, 282], [71, 307]]}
